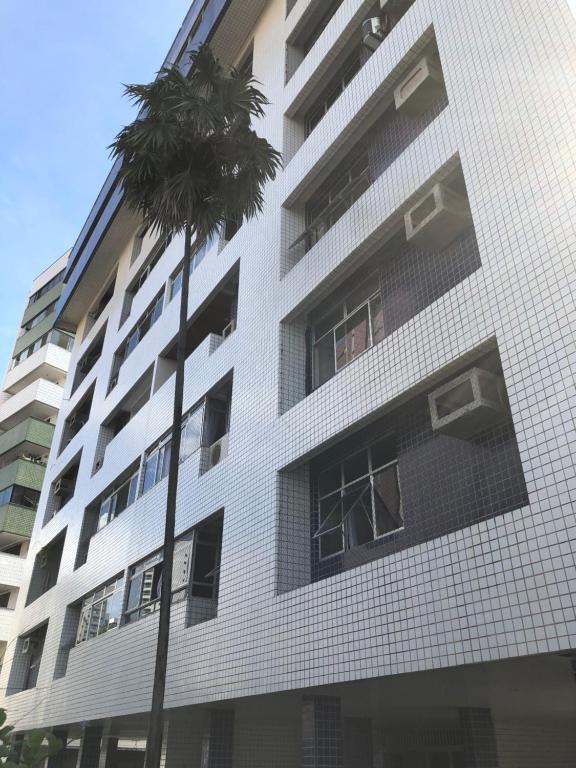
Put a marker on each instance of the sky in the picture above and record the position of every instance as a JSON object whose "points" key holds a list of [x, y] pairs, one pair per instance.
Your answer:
{"points": [[63, 64]]}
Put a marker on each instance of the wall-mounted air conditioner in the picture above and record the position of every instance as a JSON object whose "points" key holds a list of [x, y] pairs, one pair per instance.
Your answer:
{"points": [[419, 89], [217, 451], [438, 217], [77, 421], [468, 404], [62, 487], [29, 645]]}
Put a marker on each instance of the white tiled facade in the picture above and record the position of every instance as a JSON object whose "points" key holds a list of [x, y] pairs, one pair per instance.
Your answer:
{"points": [[491, 593]]}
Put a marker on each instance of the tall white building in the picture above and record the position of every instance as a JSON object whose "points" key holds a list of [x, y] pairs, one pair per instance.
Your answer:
{"points": [[29, 402], [376, 529]]}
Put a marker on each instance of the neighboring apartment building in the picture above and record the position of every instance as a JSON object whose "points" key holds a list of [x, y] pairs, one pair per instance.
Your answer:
{"points": [[29, 403], [375, 562]]}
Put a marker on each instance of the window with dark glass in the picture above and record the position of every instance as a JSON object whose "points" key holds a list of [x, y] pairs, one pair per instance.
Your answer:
{"points": [[346, 330], [46, 287], [17, 494], [358, 498], [156, 463], [101, 611], [195, 571], [116, 502]]}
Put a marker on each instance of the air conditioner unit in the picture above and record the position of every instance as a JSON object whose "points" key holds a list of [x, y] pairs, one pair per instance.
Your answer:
{"points": [[77, 421], [217, 451], [229, 329], [438, 217], [468, 404], [419, 89], [62, 487], [29, 645], [374, 30]]}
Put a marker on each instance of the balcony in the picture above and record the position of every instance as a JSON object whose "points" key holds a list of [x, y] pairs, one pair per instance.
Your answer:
{"points": [[23, 472], [39, 400], [42, 302], [16, 520], [30, 431], [50, 362]]}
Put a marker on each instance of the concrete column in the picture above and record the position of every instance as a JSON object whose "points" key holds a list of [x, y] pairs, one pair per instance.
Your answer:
{"points": [[218, 739], [480, 750], [322, 740], [89, 754]]}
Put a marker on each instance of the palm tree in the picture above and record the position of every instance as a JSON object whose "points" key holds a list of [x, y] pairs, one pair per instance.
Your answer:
{"points": [[190, 162]]}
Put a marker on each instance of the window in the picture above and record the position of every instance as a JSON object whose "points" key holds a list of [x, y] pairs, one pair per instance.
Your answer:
{"points": [[101, 611], [4, 599], [17, 494], [135, 336], [46, 568], [59, 338], [192, 426], [117, 501], [89, 359], [37, 318], [34, 646], [195, 261], [337, 86], [347, 329], [156, 464], [46, 287], [157, 252], [359, 499], [195, 571]]}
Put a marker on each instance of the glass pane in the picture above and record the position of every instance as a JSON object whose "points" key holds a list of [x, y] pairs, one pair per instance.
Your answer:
{"points": [[150, 471], [166, 450], [192, 433], [182, 564], [176, 284], [104, 514], [387, 504], [134, 591], [132, 489], [329, 321], [324, 367], [330, 513], [357, 333], [111, 610], [83, 624], [357, 505], [341, 353], [329, 480], [331, 543], [383, 452], [356, 466], [377, 319], [361, 293]]}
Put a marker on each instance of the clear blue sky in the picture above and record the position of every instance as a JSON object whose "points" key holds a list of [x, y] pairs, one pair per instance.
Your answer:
{"points": [[63, 64]]}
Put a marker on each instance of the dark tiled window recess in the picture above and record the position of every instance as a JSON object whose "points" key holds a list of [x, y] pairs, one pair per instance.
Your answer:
{"points": [[101, 610], [359, 499], [393, 287], [148, 319], [143, 273], [89, 359], [46, 287], [356, 169], [58, 338], [195, 575], [350, 60], [106, 508], [196, 259], [46, 568], [26, 661], [62, 490], [307, 32], [22, 497], [100, 305], [77, 419], [218, 317], [445, 460]]}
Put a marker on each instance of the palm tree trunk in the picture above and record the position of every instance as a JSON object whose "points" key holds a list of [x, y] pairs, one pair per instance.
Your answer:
{"points": [[156, 722]]}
